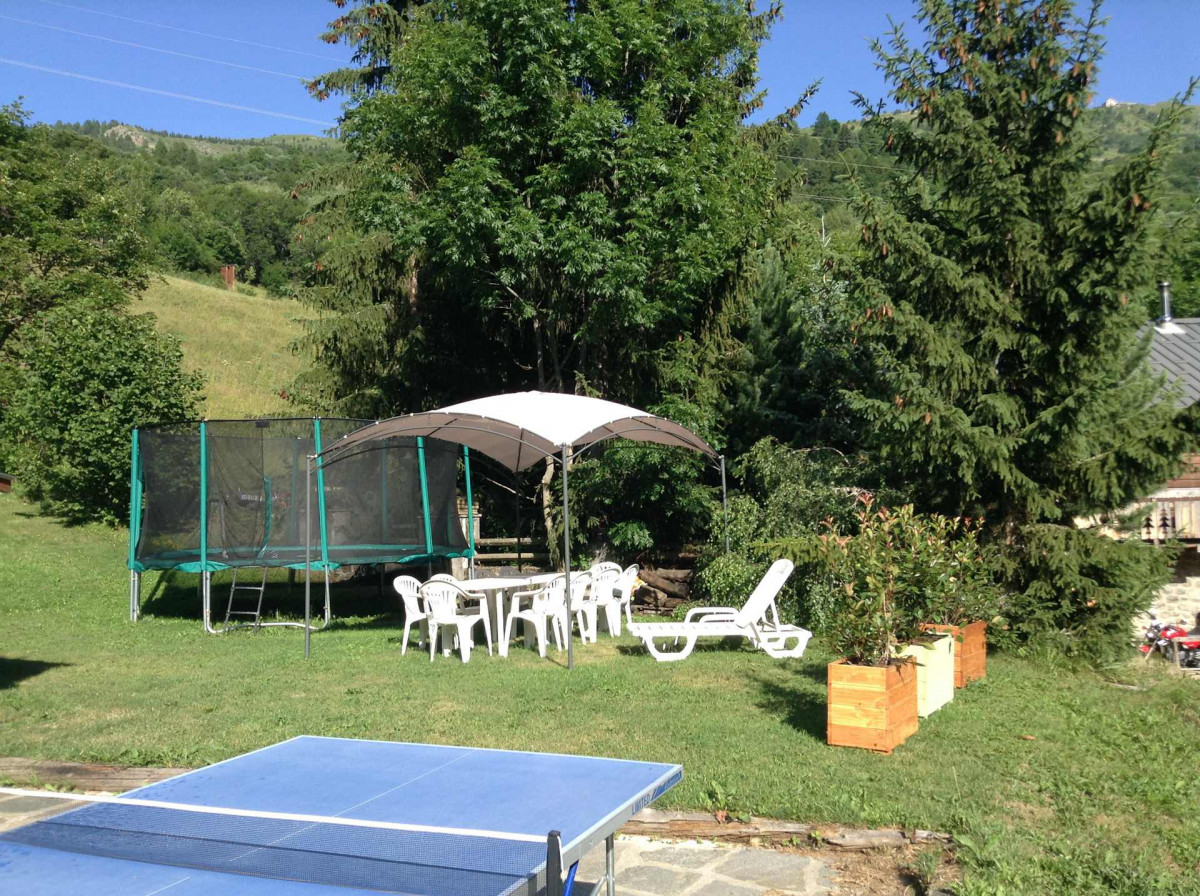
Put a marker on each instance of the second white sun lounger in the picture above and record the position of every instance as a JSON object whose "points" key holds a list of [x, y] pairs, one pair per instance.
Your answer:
{"points": [[757, 620]]}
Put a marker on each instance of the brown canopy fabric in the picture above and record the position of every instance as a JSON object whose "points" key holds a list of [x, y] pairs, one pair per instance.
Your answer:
{"points": [[522, 428]]}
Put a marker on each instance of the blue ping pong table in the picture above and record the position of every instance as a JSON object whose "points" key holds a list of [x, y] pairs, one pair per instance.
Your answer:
{"points": [[452, 821]]}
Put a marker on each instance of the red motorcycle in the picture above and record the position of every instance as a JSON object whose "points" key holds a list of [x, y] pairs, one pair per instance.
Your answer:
{"points": [[1177, 644]]}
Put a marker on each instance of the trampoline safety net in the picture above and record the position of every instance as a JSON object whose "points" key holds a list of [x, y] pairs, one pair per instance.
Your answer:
{"points": [[230, 493]]}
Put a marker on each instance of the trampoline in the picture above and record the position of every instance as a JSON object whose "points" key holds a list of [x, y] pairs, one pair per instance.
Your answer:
{"points": [[230, 494]]}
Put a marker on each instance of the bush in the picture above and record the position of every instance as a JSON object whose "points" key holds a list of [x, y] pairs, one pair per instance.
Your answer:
{"points": [[800, 489], [1078, 590], [876, 588], [728, 580], [274, 279], [88, 378], [790, 495]]}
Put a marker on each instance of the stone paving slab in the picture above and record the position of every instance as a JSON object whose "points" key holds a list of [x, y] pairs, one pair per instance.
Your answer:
{"points": [[648, 867]]}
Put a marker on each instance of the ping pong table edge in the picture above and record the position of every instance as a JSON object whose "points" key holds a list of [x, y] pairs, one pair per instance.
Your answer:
{"points": [[604, 830]]}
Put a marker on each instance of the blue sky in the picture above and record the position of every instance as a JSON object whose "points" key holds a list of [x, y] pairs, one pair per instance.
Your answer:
{"points": [[268, 45]]}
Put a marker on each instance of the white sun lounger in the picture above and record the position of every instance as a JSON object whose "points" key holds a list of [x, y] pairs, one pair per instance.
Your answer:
{"points": [[757, 620]]}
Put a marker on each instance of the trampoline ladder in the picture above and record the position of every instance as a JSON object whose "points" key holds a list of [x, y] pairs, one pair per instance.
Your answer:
{"points": [[234, 588]]}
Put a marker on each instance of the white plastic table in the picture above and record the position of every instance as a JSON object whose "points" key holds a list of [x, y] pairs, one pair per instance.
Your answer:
{"points": [[495, 587]]}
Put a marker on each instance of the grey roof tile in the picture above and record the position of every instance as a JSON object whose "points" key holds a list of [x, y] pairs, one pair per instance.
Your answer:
{"points": [[1178, 356]]}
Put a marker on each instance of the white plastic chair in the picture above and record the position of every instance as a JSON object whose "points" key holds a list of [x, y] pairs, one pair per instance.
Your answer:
{"points": [[409, 590], [757, 620], [604, 597], [548, 606], [444, 606], [622, 599], [583, 605]]}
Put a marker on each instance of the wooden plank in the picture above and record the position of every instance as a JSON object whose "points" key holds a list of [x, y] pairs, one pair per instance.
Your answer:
{"points": [[863, 738], [850, 690], [861, 676], [859, 716], [524, 555], [511, 543], [82, 776]]}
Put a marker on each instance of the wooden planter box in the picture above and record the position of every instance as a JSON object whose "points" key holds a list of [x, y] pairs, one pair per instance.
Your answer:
{"points": [[935, 673], [970, 650], [873, 707]]}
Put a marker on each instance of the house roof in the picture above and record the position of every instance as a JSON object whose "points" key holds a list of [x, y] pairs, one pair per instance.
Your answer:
{"points": [[1175, 351]]}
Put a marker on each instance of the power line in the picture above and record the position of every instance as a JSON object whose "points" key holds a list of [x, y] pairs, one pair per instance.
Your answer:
{"points": [[841, 162], [126, 43], [822, 198], [166, 93], [235, 40]]}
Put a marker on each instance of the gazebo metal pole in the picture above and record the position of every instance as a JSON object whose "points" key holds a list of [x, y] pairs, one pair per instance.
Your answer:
{"points": [[307, 554], [517, 499], [567, 558], [725, 504]]}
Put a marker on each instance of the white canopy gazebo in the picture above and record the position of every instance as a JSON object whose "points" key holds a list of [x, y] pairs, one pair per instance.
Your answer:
{"points": [[517, 431]]}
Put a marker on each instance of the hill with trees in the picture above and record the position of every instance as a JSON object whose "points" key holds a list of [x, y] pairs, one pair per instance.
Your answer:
{"points": [[206, 202]]}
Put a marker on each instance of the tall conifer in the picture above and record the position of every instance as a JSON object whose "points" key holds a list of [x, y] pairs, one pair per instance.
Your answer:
{"points": [[1002, 284]]}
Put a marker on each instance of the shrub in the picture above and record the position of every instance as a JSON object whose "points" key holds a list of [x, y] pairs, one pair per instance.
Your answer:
{"points": [[274, 279], [788, 495], [1077, 589], [87, 378], [956, 586], [728, 580], [900, 570]]}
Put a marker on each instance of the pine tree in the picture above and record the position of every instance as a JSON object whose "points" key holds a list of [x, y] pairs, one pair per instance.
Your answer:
{"points": [[999, 280]]}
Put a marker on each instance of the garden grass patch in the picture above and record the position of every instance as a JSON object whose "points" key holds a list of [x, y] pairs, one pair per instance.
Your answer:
{"points": [[1053, 779]]}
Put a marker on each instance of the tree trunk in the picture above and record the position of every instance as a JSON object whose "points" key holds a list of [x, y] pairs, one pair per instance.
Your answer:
{"points": [[552, 545], [412, 284]]}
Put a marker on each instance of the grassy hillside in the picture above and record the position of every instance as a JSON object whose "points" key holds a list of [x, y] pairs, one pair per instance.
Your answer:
{"points": [[240, 342]]}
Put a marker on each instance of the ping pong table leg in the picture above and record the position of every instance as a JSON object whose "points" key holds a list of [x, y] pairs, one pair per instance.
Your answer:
{"points": [[610, 865], [554, 884]]}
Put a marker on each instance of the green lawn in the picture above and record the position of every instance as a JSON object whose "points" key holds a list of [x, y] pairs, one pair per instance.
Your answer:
{"points": [[1056, 781], [240, 342]]}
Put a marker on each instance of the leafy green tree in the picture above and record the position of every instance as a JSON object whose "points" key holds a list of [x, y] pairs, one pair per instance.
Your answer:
{"points": [[76, 373], [67, 231], [542, 196], [999, 277], [89, 377]]}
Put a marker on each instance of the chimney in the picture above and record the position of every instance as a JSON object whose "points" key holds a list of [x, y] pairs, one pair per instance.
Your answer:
{"points": [[1166, 324]]}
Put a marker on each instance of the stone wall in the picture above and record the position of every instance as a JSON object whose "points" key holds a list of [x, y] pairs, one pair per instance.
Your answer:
{"points": [[1179, 601]]}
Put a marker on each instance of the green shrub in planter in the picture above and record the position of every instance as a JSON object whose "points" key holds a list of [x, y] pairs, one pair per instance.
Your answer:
{"points": [[875, 589], [955, 587], [874, 580]]}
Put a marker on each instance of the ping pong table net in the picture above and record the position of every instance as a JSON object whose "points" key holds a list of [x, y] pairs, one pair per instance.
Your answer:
{"points": [[351, 853]]}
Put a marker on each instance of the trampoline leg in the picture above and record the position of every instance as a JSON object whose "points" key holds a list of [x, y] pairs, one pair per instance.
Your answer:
{"points": [[206, 597], [328, 603], [135, 595], [610, 865]]}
